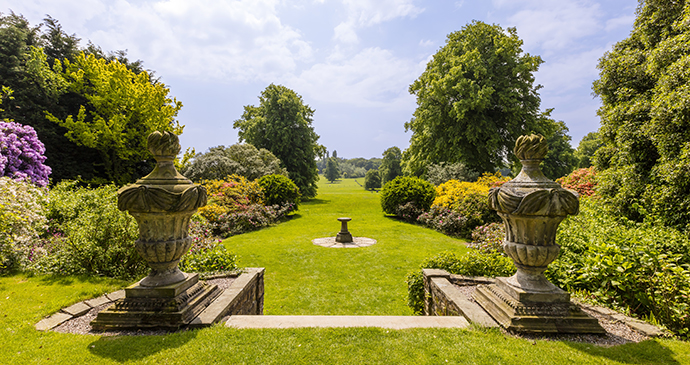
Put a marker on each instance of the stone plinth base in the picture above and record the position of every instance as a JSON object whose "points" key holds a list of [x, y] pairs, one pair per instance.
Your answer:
{"points": [[538, 312], [168, 307]]}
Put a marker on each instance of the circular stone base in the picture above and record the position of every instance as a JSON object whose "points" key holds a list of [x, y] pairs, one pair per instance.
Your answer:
{"points": [[356, 242]]}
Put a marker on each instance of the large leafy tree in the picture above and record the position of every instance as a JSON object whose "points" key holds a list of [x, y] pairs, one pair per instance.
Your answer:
{"points": [[282, 124], [332, 171], [122, 108], [476, 96], [390, 164], [645, 117], [585, 151]]}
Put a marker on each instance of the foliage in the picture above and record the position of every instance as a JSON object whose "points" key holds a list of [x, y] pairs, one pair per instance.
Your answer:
{"points": [[21, 221], [332, 171], [234, 193], [402, 190], [636, 267], [22, 154], [87, 234], [473, 263], [372, 180], [560, 160], [581, 180], [282, 124], [587, 148], [279, 190], [390, 164], [489, 238], [238, 159], [644, 163], [475, 98], [251, 218], [444, 220], [439, 173], [349, 170], [207, 254], [122, 109]]}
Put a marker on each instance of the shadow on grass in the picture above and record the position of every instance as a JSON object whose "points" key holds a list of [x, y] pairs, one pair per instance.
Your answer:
{"points": [[133, 348], [645, 352], [315, 201]]}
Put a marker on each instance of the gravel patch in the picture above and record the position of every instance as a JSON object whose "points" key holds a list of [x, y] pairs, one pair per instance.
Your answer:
{"points": [[617, 332], [82, 325]]}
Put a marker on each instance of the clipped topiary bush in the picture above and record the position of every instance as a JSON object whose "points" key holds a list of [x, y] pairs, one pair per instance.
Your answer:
{"points": [[279, 190], [403, 190]]}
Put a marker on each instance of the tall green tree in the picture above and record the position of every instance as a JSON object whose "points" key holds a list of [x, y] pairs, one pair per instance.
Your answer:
{"points": [[476, 96], [390, 164], [585, 151], [645, 117], [122, 109], [282, 124], [332, 171]]}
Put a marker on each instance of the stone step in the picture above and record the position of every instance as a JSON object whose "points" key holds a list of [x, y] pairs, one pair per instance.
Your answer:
{"points": [[392, 322]]}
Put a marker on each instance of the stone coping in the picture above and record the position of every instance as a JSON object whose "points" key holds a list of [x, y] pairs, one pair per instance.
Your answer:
{"points": [[445, 282], [81, 308], [390, 322]]}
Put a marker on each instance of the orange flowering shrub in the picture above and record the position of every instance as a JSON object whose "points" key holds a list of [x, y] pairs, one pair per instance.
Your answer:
{"points": [[581, 180]]}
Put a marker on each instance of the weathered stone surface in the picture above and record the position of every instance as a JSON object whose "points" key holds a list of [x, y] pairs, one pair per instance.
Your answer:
{"points": [[116, 295], [447, 300], [244, 296], [391, 322], [77, 309], [53, 321], [95, 302]]}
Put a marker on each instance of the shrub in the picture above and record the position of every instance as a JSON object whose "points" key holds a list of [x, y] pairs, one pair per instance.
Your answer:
{"points": [[402, 190], [445, 220], [473, 263], [635, 267], [22, 220], [234, 193], [279, 190], [87, 234], [215, 259], [581, 180], [22, 154], [437, 174], [252, 218], [238, 159], [372, 180], [489, 238]]}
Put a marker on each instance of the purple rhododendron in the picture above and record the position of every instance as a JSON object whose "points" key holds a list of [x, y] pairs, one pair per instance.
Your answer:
{"points": [[21, 154]]}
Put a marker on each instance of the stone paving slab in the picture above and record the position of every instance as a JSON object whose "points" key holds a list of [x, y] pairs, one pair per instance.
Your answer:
{"points": [[392, 322], [52, 321], [116, 295], [77, 309], [95, 302]]}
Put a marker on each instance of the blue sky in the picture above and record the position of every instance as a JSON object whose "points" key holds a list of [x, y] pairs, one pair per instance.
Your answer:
{"points": [[350, 60]]}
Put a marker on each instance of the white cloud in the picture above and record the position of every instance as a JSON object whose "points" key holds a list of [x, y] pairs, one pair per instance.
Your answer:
{"points": [[426, 43], [372, 78], [621, 21], [365, 13], [566, 74], [345, 33]]}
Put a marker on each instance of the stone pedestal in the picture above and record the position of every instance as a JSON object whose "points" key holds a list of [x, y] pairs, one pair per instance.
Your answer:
{"points": [[167, 307], [537, 312], [344, 236]]}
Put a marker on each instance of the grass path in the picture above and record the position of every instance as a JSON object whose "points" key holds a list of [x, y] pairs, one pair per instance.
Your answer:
{"points": [[303, 278]]}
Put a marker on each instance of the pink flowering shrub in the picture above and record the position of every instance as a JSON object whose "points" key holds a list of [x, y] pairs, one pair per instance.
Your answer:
{"points": [[252, 218], [581, 180], [489, 238], [444, 220], [22, 154]]}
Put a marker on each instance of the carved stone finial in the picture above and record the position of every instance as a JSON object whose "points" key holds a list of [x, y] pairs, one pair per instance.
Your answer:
{"points": [[532, 147], [163, 144]]}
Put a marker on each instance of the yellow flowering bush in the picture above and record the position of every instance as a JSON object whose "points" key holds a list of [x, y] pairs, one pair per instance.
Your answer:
{"points": [[234, 193]]}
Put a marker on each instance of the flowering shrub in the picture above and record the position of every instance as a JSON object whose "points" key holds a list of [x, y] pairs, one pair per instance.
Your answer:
{"points": [[252, 218], [21, 221], [581, 180], [489, 238], [234, 193], [408, 211], [444, 220], [21, 154]]}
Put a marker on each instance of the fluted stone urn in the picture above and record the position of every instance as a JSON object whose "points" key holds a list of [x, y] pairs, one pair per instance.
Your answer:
{"points": [[532, 207], [162, 204]]}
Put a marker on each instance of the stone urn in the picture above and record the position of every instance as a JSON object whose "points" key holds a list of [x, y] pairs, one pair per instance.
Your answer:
{"points": [[532, 207], [162, 203]]}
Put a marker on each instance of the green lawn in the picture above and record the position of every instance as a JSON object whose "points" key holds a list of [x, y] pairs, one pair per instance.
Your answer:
{"points": [[302, 278]]}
